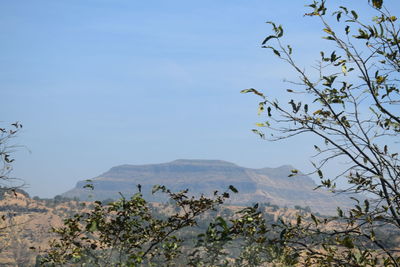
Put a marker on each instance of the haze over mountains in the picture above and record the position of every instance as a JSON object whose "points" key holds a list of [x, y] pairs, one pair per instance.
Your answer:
{"points": [[205, 176]]}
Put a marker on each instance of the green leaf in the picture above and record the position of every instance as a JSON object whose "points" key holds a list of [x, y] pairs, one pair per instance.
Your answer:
{"points": [[155, 188], [260, 108], [317, 148], [233, 189], [268, 38], [340, 212], [347, 242], [347, 29], [276, 52], [252, 90], [293, 173], [380, 79], [338, 16], [222, 223], [290, 49], [344, 69], [377, 3], [262, 135], [90, 186], [329, 38], [93, 226], [354, 14], [280, 31], [362, 35]]}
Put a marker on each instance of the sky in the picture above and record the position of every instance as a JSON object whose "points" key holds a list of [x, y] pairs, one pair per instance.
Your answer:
{"points": [[99, 83]]}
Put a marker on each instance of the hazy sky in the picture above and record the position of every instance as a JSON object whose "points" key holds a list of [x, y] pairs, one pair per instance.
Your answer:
{"points": [[98, 83]]}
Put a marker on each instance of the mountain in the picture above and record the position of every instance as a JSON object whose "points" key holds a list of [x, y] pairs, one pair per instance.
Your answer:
{"points": [[205, 176]]}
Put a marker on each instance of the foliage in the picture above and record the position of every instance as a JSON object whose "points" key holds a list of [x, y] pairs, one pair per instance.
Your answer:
{"points": [[127, 232], [132, 232], [6, 149], [246, 240], [351, 104]]}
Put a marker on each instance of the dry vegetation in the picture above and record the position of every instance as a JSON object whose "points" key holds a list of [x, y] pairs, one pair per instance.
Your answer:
{"points": [[26, 226], [26, 223]]}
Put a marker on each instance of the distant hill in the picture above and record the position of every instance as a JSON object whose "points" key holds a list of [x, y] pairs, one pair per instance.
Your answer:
{"points": [[205, 176]]}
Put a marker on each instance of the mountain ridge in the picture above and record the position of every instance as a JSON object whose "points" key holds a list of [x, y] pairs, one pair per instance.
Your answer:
{"points": [[205, 176]]}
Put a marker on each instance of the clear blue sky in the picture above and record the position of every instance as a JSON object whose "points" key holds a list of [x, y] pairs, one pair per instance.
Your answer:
{"points": [[98, 83]]}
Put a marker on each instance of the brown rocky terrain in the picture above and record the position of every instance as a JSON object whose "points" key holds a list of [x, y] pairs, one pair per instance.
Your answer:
{"points": [[25, 224]]}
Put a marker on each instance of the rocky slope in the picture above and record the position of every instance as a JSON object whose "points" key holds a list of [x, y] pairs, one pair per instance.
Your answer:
{"points": [[205, 176], [25, 226]]}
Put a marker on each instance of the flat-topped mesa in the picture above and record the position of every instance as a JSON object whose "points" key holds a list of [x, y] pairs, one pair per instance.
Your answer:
{"points": [[205, 176], [207, 162], [178, 169]]}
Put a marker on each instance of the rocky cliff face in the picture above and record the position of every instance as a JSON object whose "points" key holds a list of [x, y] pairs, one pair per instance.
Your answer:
{"points": [[205, 176]]}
